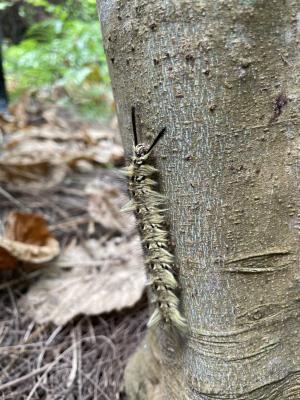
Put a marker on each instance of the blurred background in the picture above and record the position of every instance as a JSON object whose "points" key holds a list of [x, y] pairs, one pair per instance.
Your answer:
{"points": [[55, 46], [72, 282]]}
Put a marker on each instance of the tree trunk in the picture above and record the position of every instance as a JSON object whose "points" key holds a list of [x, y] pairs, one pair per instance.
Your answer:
{"points": [[223, 77]]}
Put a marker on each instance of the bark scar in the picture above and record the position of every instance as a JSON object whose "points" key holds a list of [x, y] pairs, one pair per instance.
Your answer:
{"points": [[271, 260], [270, 253]]}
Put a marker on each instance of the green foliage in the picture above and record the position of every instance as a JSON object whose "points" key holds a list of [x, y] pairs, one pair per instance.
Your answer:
{"points": [[62, 50], [68, 9], [4, 4]]}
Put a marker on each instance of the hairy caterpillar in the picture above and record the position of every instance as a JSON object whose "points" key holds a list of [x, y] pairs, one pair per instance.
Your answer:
{"points": [[147, 204]]}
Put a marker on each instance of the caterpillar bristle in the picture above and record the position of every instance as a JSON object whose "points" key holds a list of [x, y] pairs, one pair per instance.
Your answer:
{"points": [[166, 277], [174, 321], [148, 205], [154, 319], [178, 320], [130, 206]]}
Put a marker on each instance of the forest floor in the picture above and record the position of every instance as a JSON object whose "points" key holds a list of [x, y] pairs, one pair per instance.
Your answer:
{"points": [[72, 305]]}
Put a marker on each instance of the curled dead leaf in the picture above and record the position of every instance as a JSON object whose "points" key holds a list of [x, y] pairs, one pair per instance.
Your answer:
{"points": [[7, 261], [26, 238]]}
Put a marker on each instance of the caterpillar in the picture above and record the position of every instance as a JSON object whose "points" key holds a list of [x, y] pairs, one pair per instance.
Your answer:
{"points": [[147, 203]]}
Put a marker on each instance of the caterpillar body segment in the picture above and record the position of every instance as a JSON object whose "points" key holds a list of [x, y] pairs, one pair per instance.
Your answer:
{"points": [[148, 205]]}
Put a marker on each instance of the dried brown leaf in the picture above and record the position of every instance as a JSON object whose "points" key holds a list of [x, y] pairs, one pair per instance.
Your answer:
{"points": [[30, 173], [7, 261], [27, 228], [43, 155], [26, 238], [88, 279]]}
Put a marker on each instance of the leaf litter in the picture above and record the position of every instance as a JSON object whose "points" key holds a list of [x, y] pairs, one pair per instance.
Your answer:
{"points": [[88, 279], [60, 212], [26, 238]]}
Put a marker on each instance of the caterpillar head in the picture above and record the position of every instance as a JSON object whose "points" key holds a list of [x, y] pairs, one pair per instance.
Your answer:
{"points": [[141, 151]]}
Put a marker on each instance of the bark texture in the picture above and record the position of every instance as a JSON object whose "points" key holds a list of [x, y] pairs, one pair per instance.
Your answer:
{"points": [[223, 77]]}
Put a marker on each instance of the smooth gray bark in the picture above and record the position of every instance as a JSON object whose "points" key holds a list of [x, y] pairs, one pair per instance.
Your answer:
{"points": [[223, 77]]}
